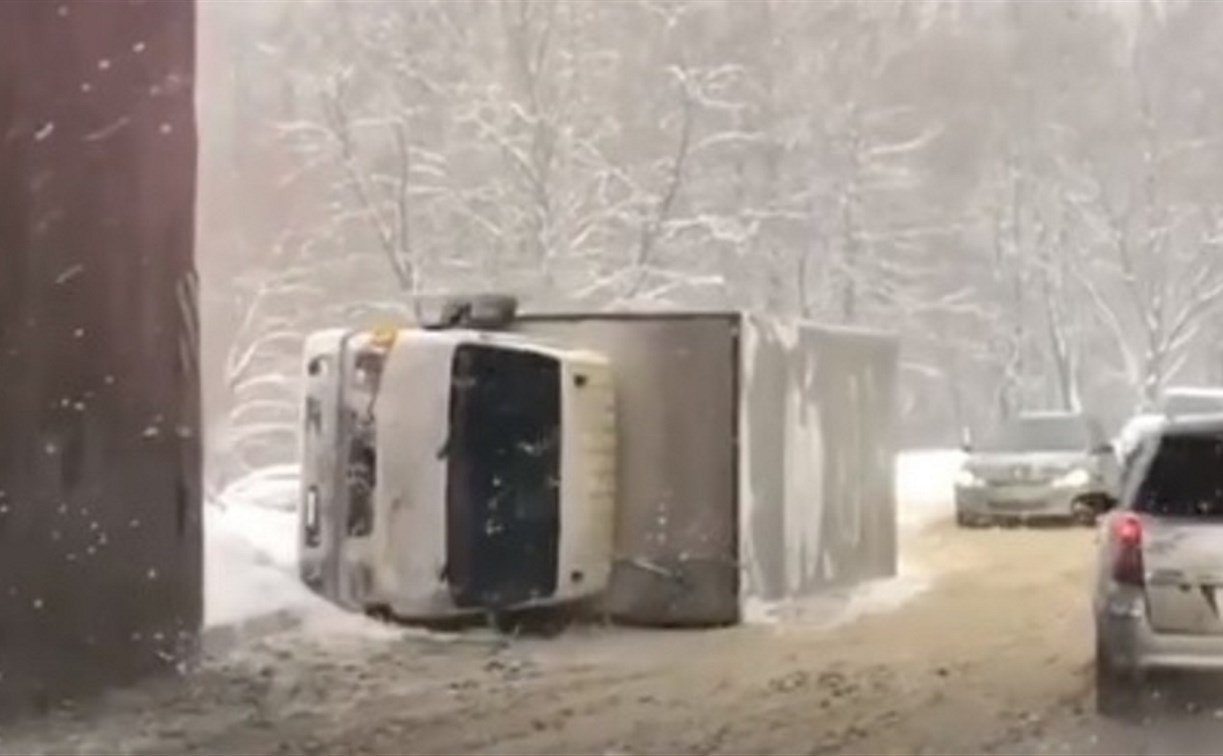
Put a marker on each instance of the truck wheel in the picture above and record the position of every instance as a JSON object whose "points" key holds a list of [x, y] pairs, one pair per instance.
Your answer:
{"points": [[1118, 691], [1086, 511], [545, 622]]}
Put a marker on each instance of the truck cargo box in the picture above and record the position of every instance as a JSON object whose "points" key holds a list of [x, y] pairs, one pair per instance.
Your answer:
{"points": [[755, 459], [752, 461]]}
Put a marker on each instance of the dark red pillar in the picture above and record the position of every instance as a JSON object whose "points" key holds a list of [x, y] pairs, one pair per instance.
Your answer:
{"points": [[100, 526]]}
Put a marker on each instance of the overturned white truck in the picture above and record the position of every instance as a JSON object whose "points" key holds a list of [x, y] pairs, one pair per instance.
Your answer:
{"points": [[662, 469]]}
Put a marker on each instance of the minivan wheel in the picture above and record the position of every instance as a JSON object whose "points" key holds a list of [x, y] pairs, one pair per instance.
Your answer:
{"points": [[1086, 511], [1118, 691]]}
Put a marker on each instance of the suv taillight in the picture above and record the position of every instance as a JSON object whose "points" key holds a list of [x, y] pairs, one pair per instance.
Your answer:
{"points": [[1127, 550]]}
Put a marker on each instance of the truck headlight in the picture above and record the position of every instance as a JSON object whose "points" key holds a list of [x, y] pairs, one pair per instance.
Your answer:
{"points": [[967, 479], [1073, 479]]}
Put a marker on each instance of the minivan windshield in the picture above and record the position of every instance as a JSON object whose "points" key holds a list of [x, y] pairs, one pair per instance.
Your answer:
{"points": [[1185, 478], [1041, 434]]}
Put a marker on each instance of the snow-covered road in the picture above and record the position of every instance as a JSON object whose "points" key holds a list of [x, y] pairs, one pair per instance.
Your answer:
{"points": [[989, 652]]}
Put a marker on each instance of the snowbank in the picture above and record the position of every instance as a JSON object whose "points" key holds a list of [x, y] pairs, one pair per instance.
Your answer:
{"points": [[251, 586], [250, 555], [274, 487], [925, 487], [242, 582], [270, 533]]}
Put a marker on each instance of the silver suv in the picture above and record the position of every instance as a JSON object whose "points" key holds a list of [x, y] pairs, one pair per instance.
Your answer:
{"points": [[1159, 581]]}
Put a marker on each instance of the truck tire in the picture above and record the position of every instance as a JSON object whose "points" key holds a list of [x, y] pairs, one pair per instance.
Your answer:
{"points": [[540, 622], [966, 520]]}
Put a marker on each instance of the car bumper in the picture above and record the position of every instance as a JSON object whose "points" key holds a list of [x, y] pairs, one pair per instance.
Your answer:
{"points": [[1026, 501], [1131, 644]]}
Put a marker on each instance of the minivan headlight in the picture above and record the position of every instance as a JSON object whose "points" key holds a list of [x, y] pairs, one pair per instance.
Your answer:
{"points": [[1073, 479]]}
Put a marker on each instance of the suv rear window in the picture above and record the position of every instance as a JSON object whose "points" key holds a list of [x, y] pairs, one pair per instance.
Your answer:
{"points": [[1185, 478]]}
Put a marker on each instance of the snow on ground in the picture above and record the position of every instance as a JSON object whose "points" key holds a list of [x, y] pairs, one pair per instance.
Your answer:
{"points": [[250, 566], [242, 582], [250, 552], [925, 487], [271, 533], [991, 659], [343, 683], [272, 487]]}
